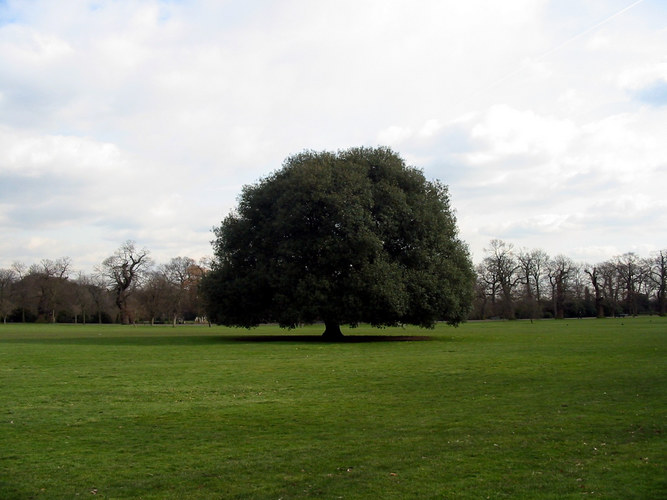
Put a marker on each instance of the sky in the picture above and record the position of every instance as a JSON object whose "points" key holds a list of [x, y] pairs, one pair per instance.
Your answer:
{"points": [[142, 120]]}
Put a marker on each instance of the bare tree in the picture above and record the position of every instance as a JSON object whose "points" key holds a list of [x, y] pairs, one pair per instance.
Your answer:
{"points": [[488, 288], [629, 273], [540, 265], [610, 286], [177, 275], [658, 276], [197, 273], [525, 259], [49, 277], [594, 275], [561, 270], [184, 274], [124, 271], [156, 296], [578, 291], [82, 302], [7, 279], [502, 266], [484, 290], [20, 292], [96, 287], [531, 268]]}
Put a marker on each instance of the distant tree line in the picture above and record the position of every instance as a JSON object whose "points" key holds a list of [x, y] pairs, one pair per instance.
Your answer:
{"points": [[128, 287], [530, 284]]}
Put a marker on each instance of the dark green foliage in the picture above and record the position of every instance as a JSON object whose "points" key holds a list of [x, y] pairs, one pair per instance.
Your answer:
{"points": [[348, 237]]}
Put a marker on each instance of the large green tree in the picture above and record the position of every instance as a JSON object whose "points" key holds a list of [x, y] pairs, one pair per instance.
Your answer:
{"points": [[343, 238]]}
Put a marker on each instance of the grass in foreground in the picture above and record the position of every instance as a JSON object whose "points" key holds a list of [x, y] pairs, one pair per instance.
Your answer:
{"points": [[554, 409]]}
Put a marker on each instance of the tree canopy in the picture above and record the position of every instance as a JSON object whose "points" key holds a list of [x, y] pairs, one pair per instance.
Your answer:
{"points": [[347, 237]]}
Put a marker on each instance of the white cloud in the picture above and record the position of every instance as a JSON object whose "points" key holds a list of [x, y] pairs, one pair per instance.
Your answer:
{"points": [[430, 128], [508, 131], [639, 77], [27, 48], [394, 135], [31, 154]]}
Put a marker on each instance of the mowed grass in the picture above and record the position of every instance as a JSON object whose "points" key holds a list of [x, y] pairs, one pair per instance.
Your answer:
{"points": [[553, 409]]}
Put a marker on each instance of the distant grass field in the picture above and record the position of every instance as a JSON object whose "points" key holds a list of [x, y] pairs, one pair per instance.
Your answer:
{"points": [[553, 410]]}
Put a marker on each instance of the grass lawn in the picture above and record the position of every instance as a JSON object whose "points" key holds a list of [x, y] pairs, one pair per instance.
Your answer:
{"points": [[554, 409]]}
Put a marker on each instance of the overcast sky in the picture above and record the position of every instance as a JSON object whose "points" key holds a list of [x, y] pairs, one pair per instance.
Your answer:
{"points": [[142, 120]]}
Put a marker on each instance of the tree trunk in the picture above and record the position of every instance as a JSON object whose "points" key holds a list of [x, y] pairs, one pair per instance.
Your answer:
{"points": [[332, 331], [599, 306]]}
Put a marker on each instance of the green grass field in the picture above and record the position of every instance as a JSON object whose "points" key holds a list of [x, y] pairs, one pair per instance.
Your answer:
{"points": [[554, 409]]}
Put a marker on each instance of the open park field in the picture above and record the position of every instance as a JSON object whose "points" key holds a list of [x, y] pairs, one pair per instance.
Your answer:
{"points": [[552, 409]]}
